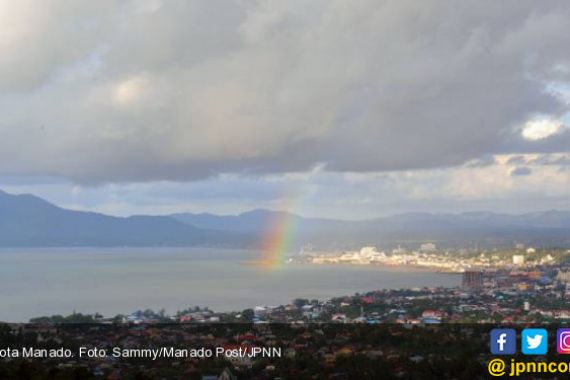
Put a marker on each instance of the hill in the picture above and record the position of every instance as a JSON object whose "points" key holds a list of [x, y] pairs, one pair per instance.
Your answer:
{"points": [[26, 220]]}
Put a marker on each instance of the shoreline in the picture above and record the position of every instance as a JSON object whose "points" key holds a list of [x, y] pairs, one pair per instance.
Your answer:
{"points": [[407, 268]]}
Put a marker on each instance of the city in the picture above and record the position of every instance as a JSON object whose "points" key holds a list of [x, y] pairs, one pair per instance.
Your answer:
{"points": [[329, 334], [428, 256]]}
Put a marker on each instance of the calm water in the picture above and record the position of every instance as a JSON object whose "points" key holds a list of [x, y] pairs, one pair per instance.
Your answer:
{"points": [[35, 282]]}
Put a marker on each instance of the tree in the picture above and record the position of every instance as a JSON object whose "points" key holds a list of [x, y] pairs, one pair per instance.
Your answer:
{"points": [[300, 302], [247, 315]]}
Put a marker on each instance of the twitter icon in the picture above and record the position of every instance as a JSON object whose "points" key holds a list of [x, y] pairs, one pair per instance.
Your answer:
{"points": [[534, 341]]}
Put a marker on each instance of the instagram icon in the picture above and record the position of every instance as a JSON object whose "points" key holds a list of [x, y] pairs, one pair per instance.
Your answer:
{"points": [[563, 341]]}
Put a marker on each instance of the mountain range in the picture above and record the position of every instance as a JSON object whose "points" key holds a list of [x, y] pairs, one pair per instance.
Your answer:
{"points": [[26, 220]]}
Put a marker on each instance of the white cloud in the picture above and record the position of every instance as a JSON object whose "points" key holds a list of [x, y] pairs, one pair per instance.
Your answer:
{"points": [[541, 129], [130, 91]]}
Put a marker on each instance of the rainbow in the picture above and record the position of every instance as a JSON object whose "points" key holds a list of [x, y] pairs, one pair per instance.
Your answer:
{"points": [[277, 241]]}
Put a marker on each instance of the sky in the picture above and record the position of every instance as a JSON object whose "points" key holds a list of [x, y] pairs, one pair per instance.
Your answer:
{"points": [[329, 108]]}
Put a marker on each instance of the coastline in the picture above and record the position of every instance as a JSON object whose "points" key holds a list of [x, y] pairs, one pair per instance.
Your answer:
{"points": [[407, 268]]}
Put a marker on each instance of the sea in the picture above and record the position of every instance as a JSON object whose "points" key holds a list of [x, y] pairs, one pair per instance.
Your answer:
{"points": [[110, 281]]}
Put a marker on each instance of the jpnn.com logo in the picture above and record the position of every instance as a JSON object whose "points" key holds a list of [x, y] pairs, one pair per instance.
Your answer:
{"points": [[533, 342]]}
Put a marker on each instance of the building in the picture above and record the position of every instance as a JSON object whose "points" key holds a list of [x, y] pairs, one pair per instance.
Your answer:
{"points": [[518, 259], [472, 279], [368, 251], [428, 247], [399, 250], [563, 276]]}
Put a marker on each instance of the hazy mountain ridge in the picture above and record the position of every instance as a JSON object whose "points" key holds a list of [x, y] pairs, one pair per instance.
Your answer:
{"points": [[485, 228], [26, 220], [260, 218]]}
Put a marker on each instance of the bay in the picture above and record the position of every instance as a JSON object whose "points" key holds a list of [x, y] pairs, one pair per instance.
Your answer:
{"points": [[38, 282]]}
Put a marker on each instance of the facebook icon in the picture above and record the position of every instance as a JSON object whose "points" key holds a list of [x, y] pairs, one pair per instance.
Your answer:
{"points": [[503, 341]]}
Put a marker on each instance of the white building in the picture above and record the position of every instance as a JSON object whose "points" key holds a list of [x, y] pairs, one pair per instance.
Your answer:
{"points": [[428, 247], [518, 259], [563, 276], [368, 251], [399, 251]]}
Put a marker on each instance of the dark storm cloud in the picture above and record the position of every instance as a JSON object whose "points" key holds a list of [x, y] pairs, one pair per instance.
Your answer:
{"points": [[521, 171], [182, 90], [547, 159], [517, 160], [484, 161]]}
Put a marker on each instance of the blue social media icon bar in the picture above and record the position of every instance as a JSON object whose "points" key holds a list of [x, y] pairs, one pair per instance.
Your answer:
{"points": [[534, 341], [503, 341]]}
